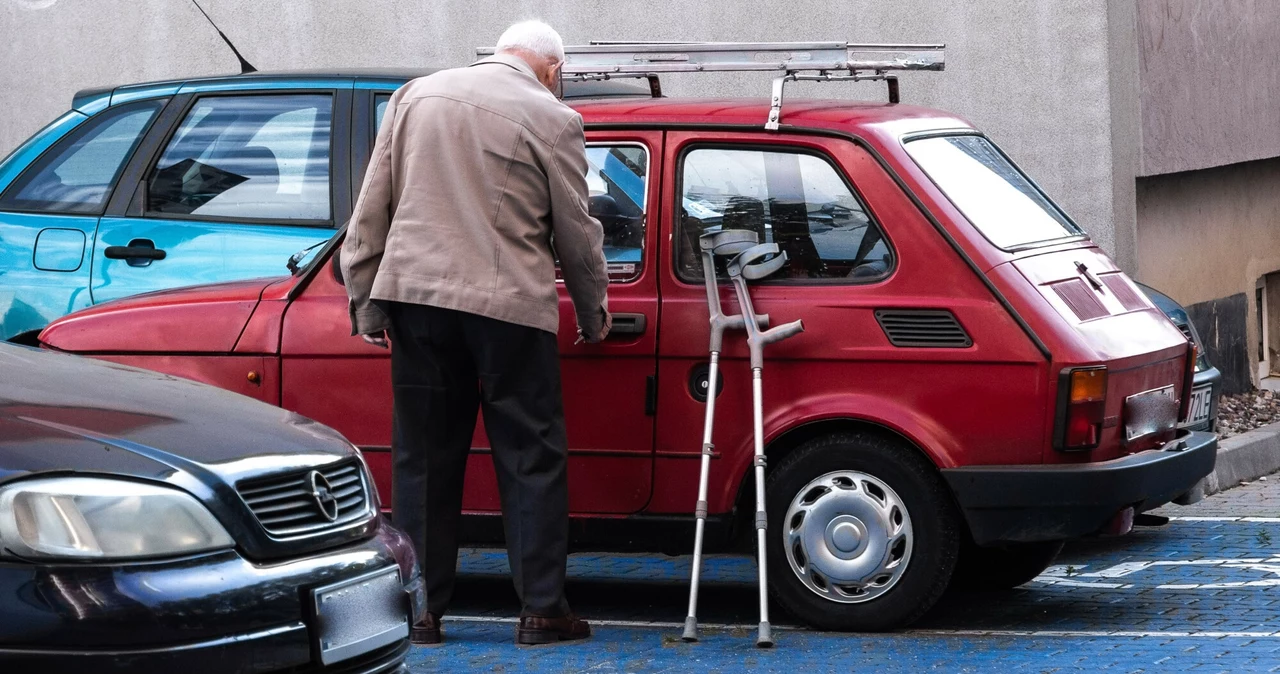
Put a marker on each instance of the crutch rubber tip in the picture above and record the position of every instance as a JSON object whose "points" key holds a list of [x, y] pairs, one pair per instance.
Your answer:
{"points": [[690, 629], [765, 638]]}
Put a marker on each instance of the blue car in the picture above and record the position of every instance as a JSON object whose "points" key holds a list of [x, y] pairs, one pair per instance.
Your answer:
{"points": [[152, 186]]}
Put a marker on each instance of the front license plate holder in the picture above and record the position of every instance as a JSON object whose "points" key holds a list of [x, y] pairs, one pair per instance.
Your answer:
{"points": [[358, 615]]}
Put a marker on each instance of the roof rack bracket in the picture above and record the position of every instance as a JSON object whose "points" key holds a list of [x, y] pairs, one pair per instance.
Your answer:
{"points": [[775, 101]]}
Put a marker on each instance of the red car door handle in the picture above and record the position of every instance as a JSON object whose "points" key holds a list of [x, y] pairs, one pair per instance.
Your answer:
{"points": [[628, 324]]}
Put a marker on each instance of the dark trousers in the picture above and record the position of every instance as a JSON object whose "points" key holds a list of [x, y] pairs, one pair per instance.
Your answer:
{"points": [[444, 366]]}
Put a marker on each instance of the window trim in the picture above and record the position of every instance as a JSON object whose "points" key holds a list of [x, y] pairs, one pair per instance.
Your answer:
{"points": [[142, 210], [677, 224], [1080, 235], [72, 136]]}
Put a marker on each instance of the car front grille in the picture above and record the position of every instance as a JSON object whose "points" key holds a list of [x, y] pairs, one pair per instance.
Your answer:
{"points": [[308, 501]]}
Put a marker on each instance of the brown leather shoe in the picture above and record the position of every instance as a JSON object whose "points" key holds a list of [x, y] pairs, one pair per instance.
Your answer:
{"points": [[426, 632], [534, 630]]}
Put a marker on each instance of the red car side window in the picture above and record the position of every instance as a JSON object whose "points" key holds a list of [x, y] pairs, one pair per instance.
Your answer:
{"points": [[798, 200]]}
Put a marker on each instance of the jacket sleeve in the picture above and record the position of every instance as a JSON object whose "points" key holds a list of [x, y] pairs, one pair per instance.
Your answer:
{"points": [[579, 238], [367, 232]]}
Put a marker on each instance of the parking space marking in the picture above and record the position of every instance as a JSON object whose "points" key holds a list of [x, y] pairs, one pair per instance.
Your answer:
{"points": [[1098, 634], [1087, 634], [1251, 520], [1072, 576], [653, 624]]}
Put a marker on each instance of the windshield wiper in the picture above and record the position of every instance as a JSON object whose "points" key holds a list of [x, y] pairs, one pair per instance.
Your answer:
{"points": [[292, 264]]}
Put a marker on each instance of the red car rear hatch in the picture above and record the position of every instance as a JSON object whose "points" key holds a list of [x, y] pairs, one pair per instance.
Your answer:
{"points": [[1108, 322]]}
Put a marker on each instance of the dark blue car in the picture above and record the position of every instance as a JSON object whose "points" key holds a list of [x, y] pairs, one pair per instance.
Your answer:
{"points": [[152, 524]]}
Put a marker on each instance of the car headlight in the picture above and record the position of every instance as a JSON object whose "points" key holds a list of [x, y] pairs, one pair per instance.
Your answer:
{"points": [[101, 518]]}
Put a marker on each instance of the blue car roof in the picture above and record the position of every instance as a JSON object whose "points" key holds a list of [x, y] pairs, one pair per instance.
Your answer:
{"points": [[90, 101]]}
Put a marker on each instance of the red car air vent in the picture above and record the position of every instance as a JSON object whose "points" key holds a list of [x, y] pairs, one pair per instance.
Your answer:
{"points": [[1124, 291], [1084, 304], [937, 328]]}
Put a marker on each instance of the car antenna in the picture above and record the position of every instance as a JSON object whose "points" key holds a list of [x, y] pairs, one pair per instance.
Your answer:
{"points": [[245, 66]]}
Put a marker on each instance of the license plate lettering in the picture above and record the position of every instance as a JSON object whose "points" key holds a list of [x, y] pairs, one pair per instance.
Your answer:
{"points": [[1201, 405]]}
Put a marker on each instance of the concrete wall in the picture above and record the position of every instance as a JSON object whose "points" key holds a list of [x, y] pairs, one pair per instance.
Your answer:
{"points": [[1035, 74], [1210, 234], [1210, 82]]}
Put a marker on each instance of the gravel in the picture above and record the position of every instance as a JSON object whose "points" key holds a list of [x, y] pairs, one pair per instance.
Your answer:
{"points": [[1247, 411]]}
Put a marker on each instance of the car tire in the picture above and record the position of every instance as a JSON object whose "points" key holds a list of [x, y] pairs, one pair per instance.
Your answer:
{"points": [[862, 533], [1002, 567]]}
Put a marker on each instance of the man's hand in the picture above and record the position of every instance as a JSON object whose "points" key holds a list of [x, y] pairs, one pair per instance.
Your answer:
{"points": [[599, 336], [378, 339]]}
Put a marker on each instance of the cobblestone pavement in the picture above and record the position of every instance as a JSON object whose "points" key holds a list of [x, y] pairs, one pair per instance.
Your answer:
{"points": [[1201, 594]]}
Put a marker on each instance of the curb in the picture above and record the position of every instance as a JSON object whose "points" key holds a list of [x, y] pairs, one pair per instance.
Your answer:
{"points": [[1245, 457]]}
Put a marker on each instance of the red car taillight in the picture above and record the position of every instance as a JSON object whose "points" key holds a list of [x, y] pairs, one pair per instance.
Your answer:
{"points": [[1082, 405], [1188, 380]]}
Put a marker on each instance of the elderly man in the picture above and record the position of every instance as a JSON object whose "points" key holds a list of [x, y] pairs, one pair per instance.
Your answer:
{"points": [[449, 253]]}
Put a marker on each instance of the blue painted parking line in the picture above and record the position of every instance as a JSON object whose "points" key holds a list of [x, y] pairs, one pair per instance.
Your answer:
{"points": [[1196, 594]]}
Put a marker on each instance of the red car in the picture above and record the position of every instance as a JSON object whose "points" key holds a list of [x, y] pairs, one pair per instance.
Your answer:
{"points": [[977, 382]]}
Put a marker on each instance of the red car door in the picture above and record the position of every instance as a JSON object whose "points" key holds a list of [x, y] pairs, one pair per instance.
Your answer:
{"points": [[608, 388], [856, 247]]}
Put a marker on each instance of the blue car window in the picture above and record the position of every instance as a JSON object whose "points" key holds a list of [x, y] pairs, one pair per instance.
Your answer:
{"points": [[617, 175], [379, 111], [77, 174], [248, 157], [797, 200]]}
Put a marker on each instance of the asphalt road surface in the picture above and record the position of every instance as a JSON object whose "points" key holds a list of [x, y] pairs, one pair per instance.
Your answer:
{"points": [[1201, 593]]}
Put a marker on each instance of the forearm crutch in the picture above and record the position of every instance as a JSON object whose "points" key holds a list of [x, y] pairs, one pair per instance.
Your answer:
{"points": [[749, 265], [725, 242]]}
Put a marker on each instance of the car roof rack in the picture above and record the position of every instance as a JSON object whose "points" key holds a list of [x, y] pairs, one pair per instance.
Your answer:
{"points": [[795, 61]]}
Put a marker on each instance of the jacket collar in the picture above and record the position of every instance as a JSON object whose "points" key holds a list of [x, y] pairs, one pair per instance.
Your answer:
{"points": [[508, 60]]}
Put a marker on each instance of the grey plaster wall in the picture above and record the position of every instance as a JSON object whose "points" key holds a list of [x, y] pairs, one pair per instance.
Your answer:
{"points": [[1210, 82], [1035, 74]]}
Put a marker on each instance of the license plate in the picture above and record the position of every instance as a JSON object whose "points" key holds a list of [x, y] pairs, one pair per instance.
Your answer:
{"points": [[1201, 405], [1149, 413], [359, 615]]}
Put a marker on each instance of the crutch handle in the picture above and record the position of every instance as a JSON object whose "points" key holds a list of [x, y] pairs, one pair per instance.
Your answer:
{"points": [[782, 332], [736, 322], [770, 336], [721, 322]]}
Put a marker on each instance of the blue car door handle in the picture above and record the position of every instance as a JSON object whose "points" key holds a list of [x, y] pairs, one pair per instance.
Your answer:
{"points": [[139, 252]]}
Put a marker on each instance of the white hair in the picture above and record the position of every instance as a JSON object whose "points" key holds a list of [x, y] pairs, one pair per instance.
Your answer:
{"points": [[534, 36]]}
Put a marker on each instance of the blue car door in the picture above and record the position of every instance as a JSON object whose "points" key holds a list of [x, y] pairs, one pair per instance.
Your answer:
{"points": [[241, 181], [55, 188]]}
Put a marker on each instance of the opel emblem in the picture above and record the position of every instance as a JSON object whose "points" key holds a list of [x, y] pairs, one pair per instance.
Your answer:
{"points": [[322, 492]]}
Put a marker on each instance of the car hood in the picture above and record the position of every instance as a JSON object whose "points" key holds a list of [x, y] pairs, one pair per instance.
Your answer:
{"points": [[61, 413], [198, 319]]}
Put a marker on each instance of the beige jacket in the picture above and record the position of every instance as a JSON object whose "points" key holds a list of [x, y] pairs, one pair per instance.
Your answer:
{"points": [[473, 171]]}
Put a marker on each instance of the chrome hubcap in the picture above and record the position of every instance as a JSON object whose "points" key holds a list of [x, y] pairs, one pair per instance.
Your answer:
{"points": [[847, 536]]}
